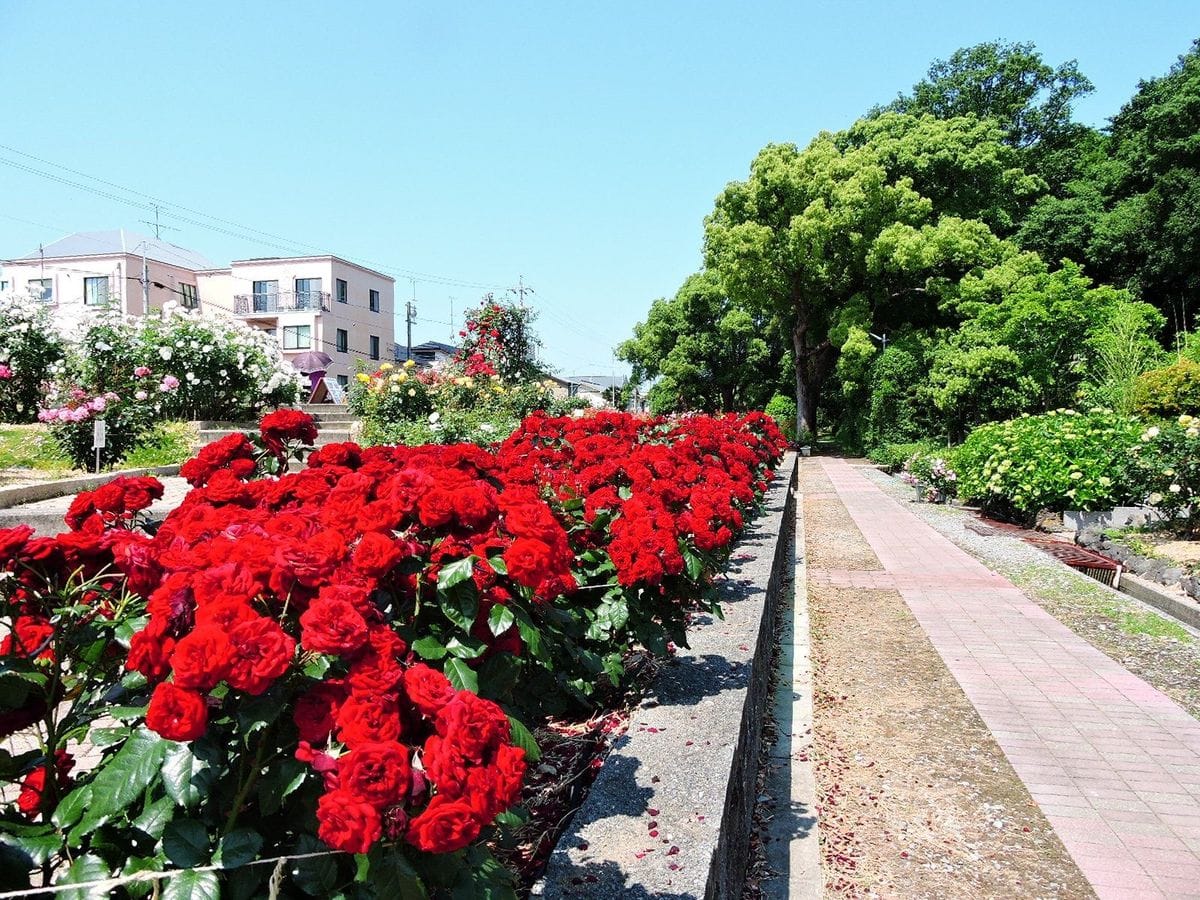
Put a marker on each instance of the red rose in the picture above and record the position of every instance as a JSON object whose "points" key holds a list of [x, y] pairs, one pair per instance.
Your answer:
{"points": [[285, 425], [177, 714], [369, 717], [444, 826], [529, 561], [33, 798], [331, 625], [201, 658], [347, 823], [12, 540], [316, 711], [377, 772], [428, 689], [262, 652], [473, 725], [376, 554]]}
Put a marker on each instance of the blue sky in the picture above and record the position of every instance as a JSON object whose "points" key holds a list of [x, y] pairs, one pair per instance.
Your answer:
{"points": [[578, 145]]}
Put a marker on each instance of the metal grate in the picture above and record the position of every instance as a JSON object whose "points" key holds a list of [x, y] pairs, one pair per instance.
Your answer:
{"points": [[1089, 562]]}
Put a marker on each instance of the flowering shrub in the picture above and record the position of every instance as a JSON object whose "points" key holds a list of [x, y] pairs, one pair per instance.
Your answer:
{"points": [[71, 415], [224, 369], [498, 339], [1168, 467], [929, 469], [333, 657], [1168, 392], [1059, 460], [29, 352]]}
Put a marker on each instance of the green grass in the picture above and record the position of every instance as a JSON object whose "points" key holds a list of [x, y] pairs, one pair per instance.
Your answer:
{"points": [[169, 444], [1051, 583], [31, 447]]}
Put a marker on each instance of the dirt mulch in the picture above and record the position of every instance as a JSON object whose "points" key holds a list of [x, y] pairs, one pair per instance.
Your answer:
{"points": [[916, 798]]}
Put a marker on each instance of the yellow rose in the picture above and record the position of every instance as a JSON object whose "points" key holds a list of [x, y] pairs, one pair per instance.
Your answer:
{"points": [[408, 363], [386, 367], [363, 377]]}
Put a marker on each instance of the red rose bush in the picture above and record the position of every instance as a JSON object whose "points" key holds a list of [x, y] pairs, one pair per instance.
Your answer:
{"points": [[343, 654]]}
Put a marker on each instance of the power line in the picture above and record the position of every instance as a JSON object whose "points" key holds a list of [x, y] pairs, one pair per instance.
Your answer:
{"points": [[151, 203]]}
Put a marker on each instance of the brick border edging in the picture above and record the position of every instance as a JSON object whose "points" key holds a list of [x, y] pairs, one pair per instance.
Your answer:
{"points": [[47, 490], [692, 749]]}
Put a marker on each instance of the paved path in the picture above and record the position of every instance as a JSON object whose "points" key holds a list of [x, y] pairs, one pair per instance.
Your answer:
{"points": [[1113, 763]]}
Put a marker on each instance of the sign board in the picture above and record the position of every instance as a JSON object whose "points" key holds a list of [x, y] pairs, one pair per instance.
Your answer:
{"points": [[328, 390], [99, 434]]}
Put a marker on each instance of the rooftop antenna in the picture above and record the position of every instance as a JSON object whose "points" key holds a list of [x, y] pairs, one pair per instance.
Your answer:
{"points": [[520, 290], [410, 315]]}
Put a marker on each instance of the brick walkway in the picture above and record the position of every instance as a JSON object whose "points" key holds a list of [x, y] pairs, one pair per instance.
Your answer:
{"points": [[1113, 763]]}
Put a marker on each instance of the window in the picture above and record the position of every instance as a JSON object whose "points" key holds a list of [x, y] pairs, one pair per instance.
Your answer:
{"points": [[374, 347], [42, 288], [343, 340], [190, 298], [3, 285], [297, 337], [343, 292], [308, 293], [266, 296], [374, 301], [343, 380]]}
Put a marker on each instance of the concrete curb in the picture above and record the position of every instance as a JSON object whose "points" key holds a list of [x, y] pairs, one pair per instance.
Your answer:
{"points": [[31, 493], [670, 813], [792, 845], [1184, 610]]}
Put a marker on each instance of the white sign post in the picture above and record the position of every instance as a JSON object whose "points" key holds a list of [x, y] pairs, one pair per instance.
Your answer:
{"points": [[99, 439]]}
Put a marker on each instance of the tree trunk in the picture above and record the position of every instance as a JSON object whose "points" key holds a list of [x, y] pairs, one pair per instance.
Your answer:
{"points": [[813, 365]]}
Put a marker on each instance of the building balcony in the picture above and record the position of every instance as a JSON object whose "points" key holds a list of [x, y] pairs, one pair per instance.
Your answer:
{"points": [[280, 302]]}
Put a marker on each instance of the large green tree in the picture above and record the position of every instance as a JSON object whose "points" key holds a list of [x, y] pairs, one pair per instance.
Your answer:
{"points": [[1007, 82], [705, 352], [863, 230]]}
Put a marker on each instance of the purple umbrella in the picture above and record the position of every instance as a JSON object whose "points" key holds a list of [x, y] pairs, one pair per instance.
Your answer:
{"points": [[312, 361]]}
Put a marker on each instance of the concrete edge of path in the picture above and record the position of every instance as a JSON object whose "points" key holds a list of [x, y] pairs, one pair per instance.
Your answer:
{"points": [[793, 847], [671, 811], [46, 490]]}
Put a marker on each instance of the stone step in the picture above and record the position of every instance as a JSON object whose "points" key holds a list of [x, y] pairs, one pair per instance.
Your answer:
{"points": [[324, 435]]}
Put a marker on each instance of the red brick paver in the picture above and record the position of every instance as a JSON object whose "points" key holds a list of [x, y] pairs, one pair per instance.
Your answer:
{"points": [[1113, 762]]}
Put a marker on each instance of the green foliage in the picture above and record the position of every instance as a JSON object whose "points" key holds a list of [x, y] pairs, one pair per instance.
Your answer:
{"points": [[1168, 471], [1059, 460], [1121, 351], [894, 456], [1168, 392], [168, 443], [1009, 83], [31, 447], [499, 340], [782, 409], [895, 409], [707, 352]]}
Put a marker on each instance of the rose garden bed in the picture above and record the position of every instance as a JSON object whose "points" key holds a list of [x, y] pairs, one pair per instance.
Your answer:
{"points": [[339, 665]]}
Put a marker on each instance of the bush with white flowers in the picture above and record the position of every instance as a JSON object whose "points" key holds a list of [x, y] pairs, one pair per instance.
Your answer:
{"points": [[30, 354]]}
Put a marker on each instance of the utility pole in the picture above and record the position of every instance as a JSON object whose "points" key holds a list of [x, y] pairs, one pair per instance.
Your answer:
{"points": [[410, 315], [520, 290], [158, 227], [452, 299]]}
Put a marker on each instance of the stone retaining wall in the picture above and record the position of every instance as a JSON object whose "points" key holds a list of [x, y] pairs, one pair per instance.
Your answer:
{"points": [[670, 812]]}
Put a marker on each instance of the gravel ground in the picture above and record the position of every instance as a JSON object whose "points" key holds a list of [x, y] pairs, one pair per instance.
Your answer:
{"points": [[1152, 646], [916, 798]]}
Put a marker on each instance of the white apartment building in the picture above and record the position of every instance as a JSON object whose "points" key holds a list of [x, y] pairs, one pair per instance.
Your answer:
{"points": [[94, 269], [310, 303]]}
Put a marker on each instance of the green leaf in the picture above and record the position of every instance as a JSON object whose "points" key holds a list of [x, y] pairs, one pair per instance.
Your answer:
{"points": [[500, 619], [499, 566], [84, 869], [462, 676], [238, 847], [122, 779], [281, 780], [141, 864], [695, 566], [455, 573], [392, 876], [531, 635], [523, 738], [470, 648], [185, 776], [72, 807], [316, 876], [193, 886], [185, 841], [155, 817], [614, 668], [317, 666], [39, 847], [106, 737], [429, 647]]}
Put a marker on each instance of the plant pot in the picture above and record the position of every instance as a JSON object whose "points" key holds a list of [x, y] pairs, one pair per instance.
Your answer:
{"points": [[806, 451]]}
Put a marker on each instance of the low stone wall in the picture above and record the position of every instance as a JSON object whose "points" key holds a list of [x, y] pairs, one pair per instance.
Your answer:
{"points": [[46, 490], [670, 812]]}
